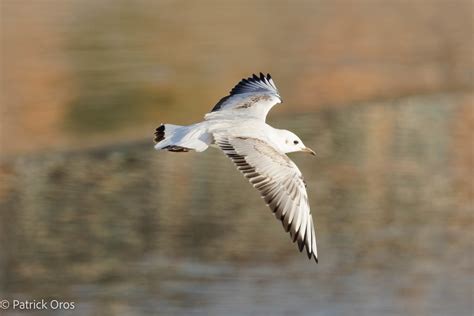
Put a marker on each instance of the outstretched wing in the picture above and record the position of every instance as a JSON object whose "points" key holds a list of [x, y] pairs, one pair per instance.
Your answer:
{"points": [[280, 184], [251, 97]]}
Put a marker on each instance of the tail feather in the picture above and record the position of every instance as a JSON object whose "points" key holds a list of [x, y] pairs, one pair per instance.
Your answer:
{"points": [[159, 133], [178, 138]]}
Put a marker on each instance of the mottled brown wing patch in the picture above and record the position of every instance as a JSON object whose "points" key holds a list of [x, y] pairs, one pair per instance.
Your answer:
{"points": [[280, 194]]}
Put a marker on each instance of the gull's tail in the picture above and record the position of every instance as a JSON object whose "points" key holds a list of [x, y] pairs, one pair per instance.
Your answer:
{"points": [[178, 138]]}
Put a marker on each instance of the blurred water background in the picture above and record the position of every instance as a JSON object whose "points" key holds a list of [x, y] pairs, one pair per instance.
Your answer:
{"points": [[91, 214]]}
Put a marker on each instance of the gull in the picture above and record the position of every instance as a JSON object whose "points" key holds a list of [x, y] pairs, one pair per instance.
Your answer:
{"points": [[237, 126]]}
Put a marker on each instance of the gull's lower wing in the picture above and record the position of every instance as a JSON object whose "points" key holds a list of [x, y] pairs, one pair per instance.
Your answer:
{"points": [[251, 97], [279, 182]]}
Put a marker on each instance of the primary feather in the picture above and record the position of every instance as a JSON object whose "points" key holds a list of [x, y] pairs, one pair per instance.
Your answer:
{"points": [[251, 97]]}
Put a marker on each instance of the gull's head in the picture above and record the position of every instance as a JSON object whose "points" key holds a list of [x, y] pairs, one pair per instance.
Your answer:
{"points": [[289, 143]]}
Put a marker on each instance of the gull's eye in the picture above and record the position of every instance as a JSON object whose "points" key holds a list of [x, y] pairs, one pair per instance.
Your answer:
{"points": [[295, 142]]}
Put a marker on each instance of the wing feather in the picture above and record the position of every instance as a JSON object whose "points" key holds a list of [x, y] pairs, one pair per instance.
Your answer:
{"points": [[251, 97], [280, 184]]}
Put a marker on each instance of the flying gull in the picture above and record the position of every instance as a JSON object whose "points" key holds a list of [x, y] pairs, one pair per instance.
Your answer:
{"points": [[237, 126]]}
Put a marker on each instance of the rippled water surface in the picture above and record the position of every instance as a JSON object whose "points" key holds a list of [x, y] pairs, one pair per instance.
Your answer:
{"points": [[124, 230]]}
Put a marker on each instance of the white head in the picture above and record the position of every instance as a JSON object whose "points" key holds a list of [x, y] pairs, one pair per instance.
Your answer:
{"points": [[288, 142]]}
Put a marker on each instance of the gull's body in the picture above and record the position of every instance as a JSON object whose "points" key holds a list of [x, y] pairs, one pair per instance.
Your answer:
{"points": [[237, 126]]}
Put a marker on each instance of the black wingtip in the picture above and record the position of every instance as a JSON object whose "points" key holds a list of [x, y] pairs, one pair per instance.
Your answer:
{"points": [[259, 77], [300, 245], [251, 83], [311, 255], [263, 77]]}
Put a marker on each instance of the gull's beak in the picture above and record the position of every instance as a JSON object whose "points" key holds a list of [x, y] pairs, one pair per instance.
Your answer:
{"points": [[309, 150]]}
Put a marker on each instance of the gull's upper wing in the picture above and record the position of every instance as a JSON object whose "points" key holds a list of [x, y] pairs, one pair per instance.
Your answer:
{"points": [[252, 97], [279, 182]]}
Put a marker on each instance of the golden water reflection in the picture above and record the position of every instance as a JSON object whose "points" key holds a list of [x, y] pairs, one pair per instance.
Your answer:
{"points": [[124, 230]]}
